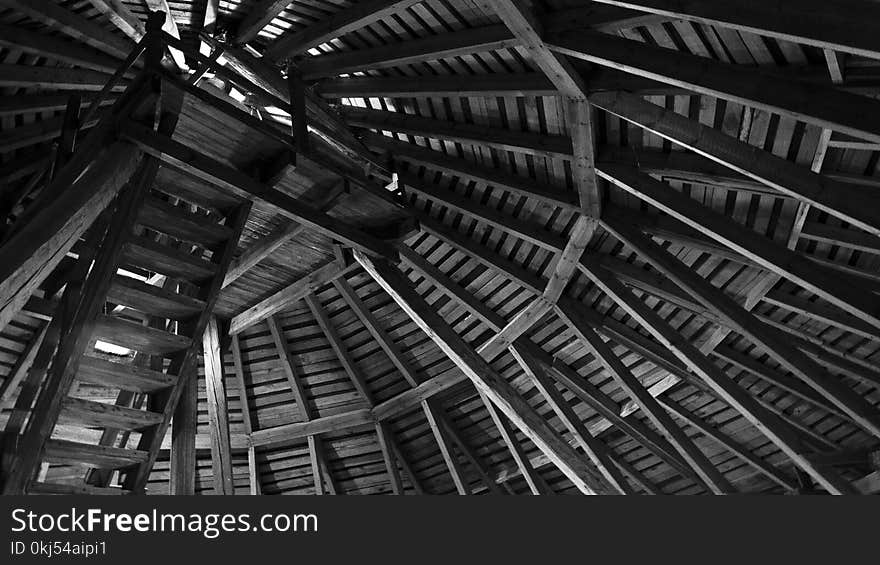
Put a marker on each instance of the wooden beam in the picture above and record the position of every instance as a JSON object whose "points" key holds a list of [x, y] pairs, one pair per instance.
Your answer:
{"points": [[21, 76], [668, 228], [779, 477], [56, 48], [452, 86], [389, 347], [519, 185], [342, 22], [536, 483], [489, 85], [444, 442], [701, 366], [316, 452], [811, 22], [470, 456], [746, 324], [275, 240], [562, 373], [238, 366], [257, 18], [122, 17], [298, 118], [549, 146], [826, 107], [72, 24], [599, 453], [288, 295], [567, 260], [839, 199], [260, 250], [849, 296], [218, 415], [23, 363], [296, 431], [383, 433], [338, 347], [698, 461], [518, 17], [484, 377], [666, 290], [696, 169], [184, 426], [441, 46], [495, 218]]}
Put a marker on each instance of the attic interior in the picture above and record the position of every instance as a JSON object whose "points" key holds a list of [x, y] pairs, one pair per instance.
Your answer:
{"points": [[440, 247]]}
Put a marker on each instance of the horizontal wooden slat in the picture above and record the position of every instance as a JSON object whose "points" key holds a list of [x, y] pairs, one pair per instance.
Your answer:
{"points": [[101, 415], [152, 299], [158, 258], [138, 337], [177, 222], [62, 488], [72, 453], [122, 376]]}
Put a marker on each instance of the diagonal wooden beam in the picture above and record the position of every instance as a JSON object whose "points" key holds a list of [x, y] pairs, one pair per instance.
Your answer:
{"points": [[666, 290], [258, 17], [562, 373], [711, 476], [441, 46], [567, 260], [519, 185], [315, 446], [743, 452], [848, 295], [599, 453], [746, 324], [394, 353], [342, 22], [444, 442], [845, 201], [122, 17], [238, 367], [484, 377], [701, 366], [56, 48], [823, 106], [338, 346], [539, 145], [72, 24], [383, 434], [811, 22], [288, 295]]}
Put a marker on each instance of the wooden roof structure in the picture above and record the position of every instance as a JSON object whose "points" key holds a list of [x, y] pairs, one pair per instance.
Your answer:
{"points": [[440, 246]]}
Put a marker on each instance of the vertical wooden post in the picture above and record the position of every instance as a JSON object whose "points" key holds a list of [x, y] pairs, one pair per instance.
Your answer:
{"points": [[298, 108], [183, 439], [218, 415]]}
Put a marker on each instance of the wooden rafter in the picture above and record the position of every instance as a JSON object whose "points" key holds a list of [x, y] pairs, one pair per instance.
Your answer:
{"points": [[317, 457], [485, 378], [811, 22]]}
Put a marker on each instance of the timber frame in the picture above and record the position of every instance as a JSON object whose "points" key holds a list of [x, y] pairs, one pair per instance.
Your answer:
{"points": [[412, 247]]}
